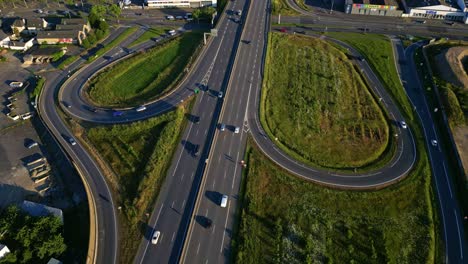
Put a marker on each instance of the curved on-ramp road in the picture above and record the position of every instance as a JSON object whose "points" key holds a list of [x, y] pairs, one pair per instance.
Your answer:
{"points": [[397, 168], [71, 95]]}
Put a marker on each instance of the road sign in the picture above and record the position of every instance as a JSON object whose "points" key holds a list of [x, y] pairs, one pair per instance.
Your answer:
{"points": [[214, 32]]}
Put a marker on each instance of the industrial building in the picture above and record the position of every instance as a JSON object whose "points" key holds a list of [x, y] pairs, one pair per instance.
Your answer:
{"points": [[373, 7], [179, 3]]}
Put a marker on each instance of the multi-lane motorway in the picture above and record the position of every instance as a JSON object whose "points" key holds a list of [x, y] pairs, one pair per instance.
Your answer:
{"points": [[195, 183]]}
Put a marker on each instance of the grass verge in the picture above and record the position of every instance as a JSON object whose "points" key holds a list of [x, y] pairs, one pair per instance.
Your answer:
{"points": [[282, 7], [287, 220], [378, 51], [149, 34], [146, 75], [325, 102], [127, 32], [134, 158], [67, 61]]}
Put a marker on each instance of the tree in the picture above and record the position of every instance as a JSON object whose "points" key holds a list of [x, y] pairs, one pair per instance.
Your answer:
{"points": [[114, 11], [31, 238], [196, 15]]}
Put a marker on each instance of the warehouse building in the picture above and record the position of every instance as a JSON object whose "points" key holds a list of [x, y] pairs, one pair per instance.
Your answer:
{"points": [[180, 3], [435, 9]]}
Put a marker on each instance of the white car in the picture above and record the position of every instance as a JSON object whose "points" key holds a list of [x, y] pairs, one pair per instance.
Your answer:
{"points": [[155, 238], [224, 201], [220, 95], [403, 124], [72, 141], [236, 130], [434, 142], [172, 32], [170, 17], [141, 108], [222, 127]]}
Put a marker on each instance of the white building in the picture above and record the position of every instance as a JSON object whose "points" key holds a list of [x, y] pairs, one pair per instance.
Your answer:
{"points": [[3, 250], [439, 12], [180, 3]]}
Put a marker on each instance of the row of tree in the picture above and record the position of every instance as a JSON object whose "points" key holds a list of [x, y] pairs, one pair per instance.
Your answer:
{"points": [[98, 22], [30, 239]]}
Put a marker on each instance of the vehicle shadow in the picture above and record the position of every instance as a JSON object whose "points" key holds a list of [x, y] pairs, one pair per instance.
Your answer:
{"points": [[213, 196]]}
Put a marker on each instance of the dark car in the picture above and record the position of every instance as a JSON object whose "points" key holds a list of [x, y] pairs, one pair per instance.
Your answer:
{"points": [[196, 119], [196, 150], [206, 222], [117, 113]]}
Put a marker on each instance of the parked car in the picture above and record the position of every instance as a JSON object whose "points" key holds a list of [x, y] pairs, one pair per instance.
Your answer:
{"points": [[222, 127], [179, 17], [170, 17], [171, 32], [236, 130]]}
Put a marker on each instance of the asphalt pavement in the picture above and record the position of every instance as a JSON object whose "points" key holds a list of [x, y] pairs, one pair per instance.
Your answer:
{"points": [[171, 214], [451, 218]]}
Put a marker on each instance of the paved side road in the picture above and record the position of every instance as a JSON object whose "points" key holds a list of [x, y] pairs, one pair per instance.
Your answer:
{"points": [[451, 218]]}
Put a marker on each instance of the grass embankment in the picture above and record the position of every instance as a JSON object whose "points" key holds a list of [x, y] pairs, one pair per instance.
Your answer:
{"points": [[318, 108], [127, 32], [377, 50], [139, 155], [67, 61], [287, 220], [454, 98], [149, 34], [146, 75], [282, 7]]}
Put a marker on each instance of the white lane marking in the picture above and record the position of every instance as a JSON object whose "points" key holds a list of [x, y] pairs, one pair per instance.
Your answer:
{"points": [[447, 179], [172, 206], [198, 248], [173, 236], [212, 232], [183, 204], [225, 225], [459, 236], [147, 242], [214, 181], [181, 178]]}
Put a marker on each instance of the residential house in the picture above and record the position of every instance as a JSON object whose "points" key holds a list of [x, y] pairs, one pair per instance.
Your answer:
{"points": [[33, 25], [18, 26], [3, 250]]}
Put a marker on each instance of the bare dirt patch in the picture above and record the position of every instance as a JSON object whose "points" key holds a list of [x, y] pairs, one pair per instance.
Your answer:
{"points": [[450, 65], [460, 135]]}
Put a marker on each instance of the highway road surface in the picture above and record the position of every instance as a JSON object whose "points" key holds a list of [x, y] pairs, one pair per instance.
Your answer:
{"points": [[174, 206], [106, 227], [451, 218]]}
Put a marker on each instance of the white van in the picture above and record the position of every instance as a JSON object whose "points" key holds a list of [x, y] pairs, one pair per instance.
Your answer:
{"points": [[141, 108], [224, 201], [172, 32]]}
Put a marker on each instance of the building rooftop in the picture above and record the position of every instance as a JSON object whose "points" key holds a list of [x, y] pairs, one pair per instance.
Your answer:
{"points": [[34, 22], [74, 21], [19, 22], [36, 209], [74, 27], [45, 51], [54, 261], [57, 34]]}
